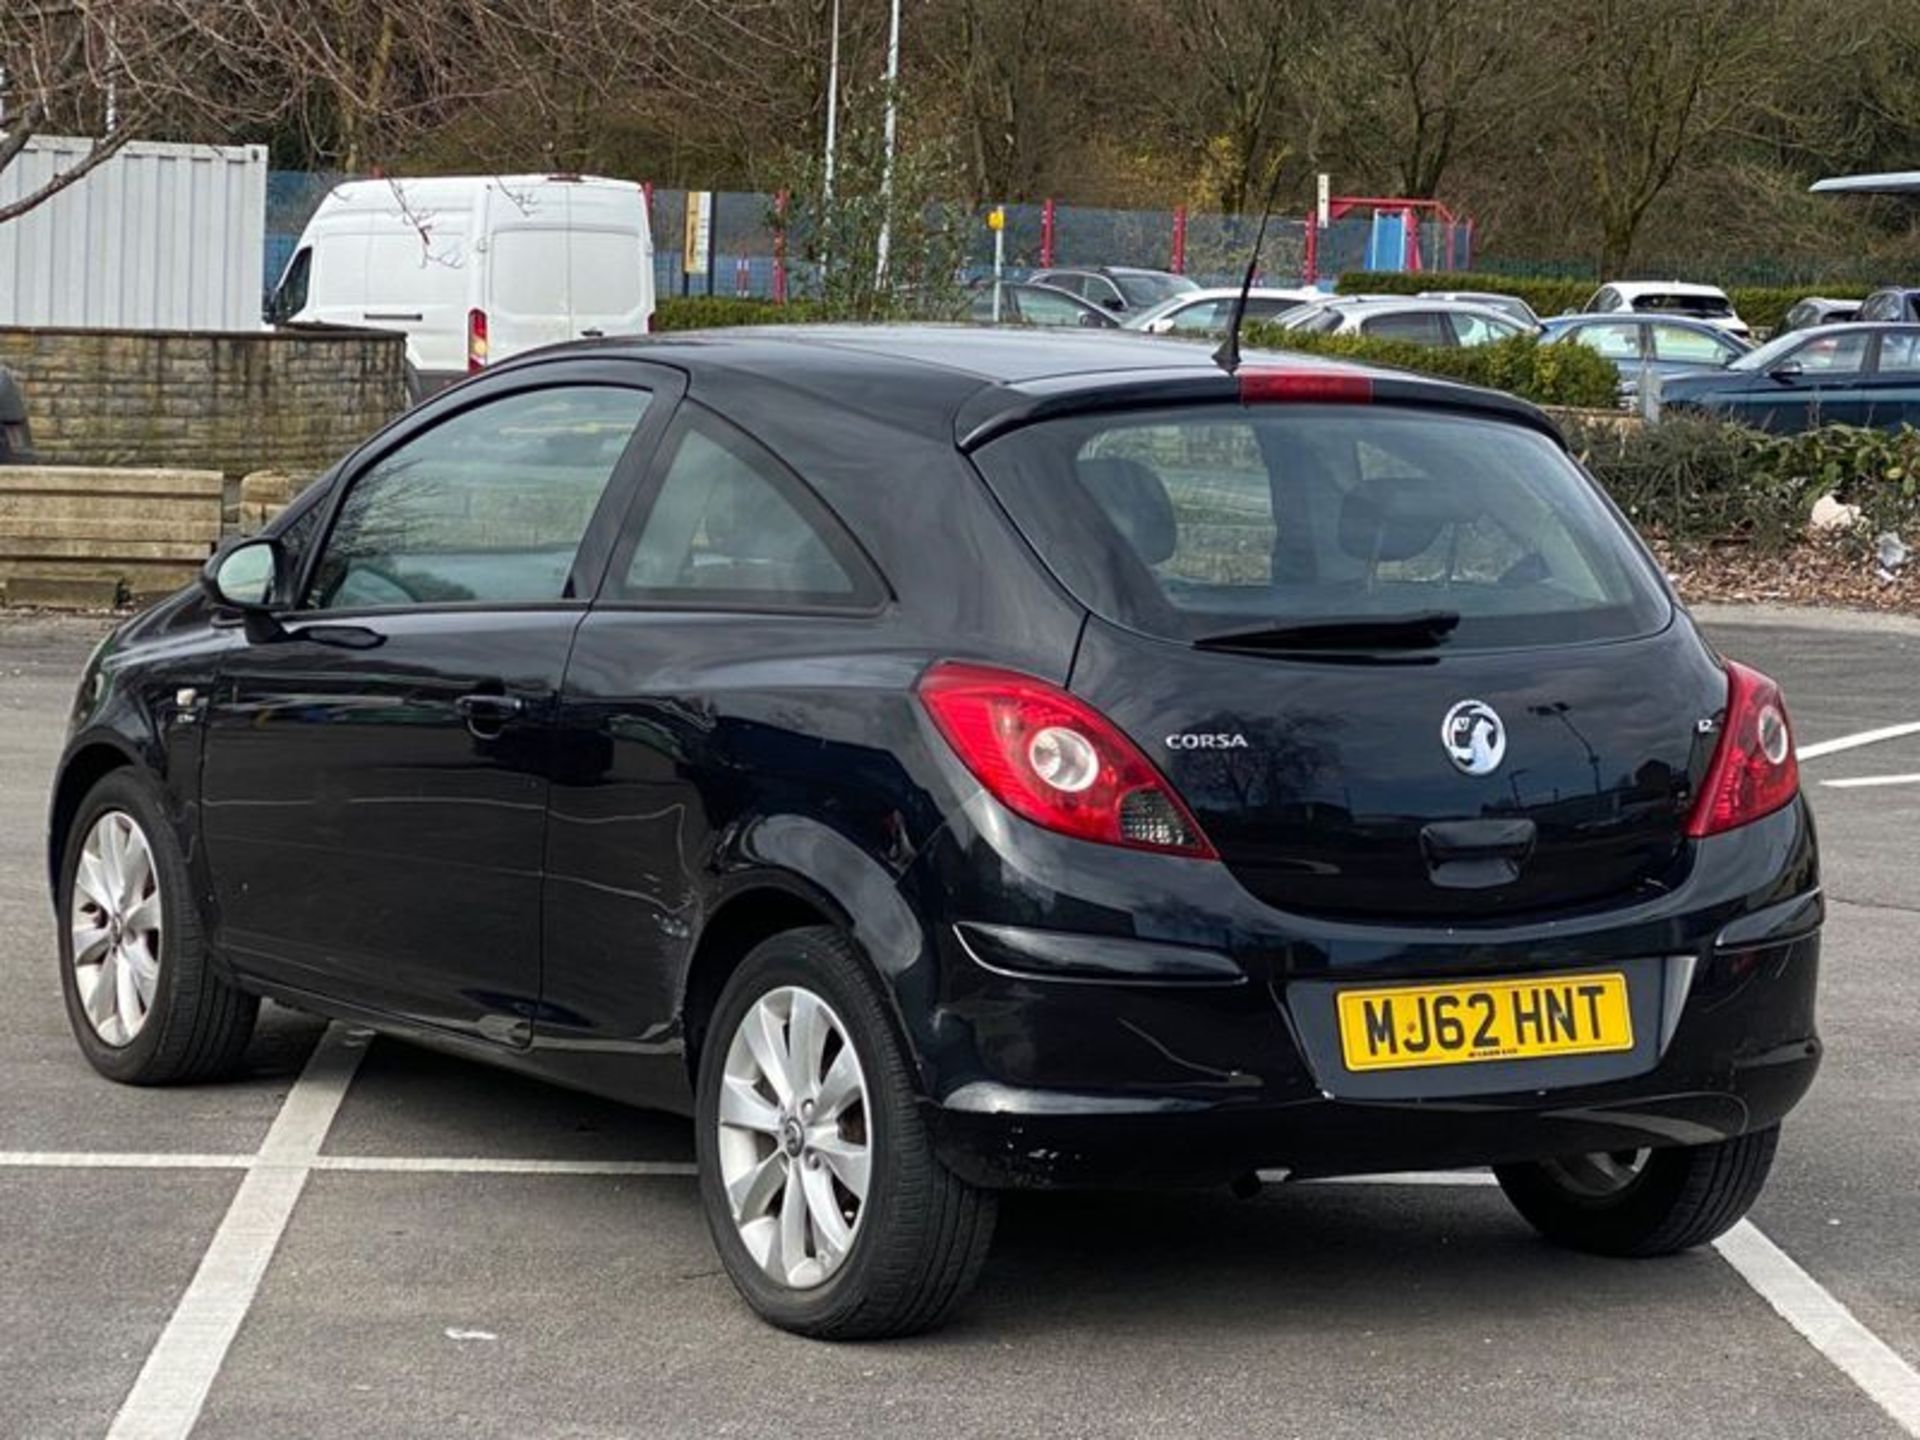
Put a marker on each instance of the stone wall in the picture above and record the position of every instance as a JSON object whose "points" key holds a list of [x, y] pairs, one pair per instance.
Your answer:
{"points": [[232, 402], [72, 535]]}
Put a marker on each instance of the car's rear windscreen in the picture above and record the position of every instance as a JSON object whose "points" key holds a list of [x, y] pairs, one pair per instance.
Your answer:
{"points": [[1705, 307], [1193, 522]]}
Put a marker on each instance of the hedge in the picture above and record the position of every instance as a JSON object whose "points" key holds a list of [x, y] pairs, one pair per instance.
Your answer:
{"points": [[1564, 375], [709, 312], [1696, 480], [1761, 306]]}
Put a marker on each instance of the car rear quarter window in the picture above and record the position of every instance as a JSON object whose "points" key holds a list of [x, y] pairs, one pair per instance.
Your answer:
{"points": [[1194, 522], [729, 527]]}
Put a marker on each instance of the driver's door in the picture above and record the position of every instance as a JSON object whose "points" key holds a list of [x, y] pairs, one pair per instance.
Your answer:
{"points": [[375, 780]]}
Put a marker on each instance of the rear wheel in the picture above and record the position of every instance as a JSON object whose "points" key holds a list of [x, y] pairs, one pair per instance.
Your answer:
{"points": [[1642, 1202], [143, 997], [831, 1213]]}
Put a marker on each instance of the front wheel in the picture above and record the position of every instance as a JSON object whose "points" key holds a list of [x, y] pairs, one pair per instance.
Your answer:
{"points": [[831, 1213], [1640, 1203], [145, 1000]]}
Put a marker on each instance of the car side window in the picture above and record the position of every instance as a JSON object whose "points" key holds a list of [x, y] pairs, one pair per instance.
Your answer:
{"points": [[1900, 351], [1039, 308], [1418, 327], [1614, 342], [490, 505], [1470, 329], [1208, 315], [731, 527], [1604, 299], [1833, 354], [1878, 306], [1677, 342]]}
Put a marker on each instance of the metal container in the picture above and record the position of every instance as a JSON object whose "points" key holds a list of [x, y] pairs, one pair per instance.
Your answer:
{"points": [[160, 237]]}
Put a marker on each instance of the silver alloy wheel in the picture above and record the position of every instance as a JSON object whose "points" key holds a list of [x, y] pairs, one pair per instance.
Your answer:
{"points": [[114, 915], [1602, 1174], [795, 1139]]}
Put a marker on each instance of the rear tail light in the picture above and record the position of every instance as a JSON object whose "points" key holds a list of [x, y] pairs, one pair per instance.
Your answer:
{"points": [[1754, 771], [1057, 761], [476, 340], [1304, 387]]}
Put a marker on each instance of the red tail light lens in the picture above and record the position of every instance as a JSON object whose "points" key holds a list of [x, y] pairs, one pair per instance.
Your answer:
{"points": [[1754, 771], [476, 340], [1057, 761], [1304, 387]]}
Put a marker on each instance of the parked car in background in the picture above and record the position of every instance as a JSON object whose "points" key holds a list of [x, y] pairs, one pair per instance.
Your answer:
{"points": [[945, 760], [1029, 304], [1511, 305], [1116, 287], [1644, 344], [1207, 312], [1817, 310], [475, 269], [16, 437], [1855, 373], [1891, 302], [1668, 297], [1408, 318]]}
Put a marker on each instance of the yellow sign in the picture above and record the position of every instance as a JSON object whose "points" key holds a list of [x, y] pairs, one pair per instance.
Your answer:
{"points": [[1409, 1025], [997, 218], [699, 232]]}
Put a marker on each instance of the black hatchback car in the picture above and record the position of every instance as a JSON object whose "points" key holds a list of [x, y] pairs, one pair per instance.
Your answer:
{"points": [[943, 760]]}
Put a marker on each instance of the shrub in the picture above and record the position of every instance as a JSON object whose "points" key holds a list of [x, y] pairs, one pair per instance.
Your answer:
{"points": [[1564, 375], [708, 312], [1696, 480]]}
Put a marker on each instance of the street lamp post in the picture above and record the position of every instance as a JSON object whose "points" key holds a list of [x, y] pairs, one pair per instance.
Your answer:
{"points": [[886, 169]]}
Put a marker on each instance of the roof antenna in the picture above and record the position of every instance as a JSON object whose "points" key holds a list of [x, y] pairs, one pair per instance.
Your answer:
{"points": [[1227, 357]]}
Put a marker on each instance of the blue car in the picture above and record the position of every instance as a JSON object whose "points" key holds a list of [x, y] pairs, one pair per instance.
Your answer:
{"points": [[1639, 345], [1847, 374]]}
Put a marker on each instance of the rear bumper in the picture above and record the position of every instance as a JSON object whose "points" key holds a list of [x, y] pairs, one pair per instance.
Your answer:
{"points": [[1195, 1065]]}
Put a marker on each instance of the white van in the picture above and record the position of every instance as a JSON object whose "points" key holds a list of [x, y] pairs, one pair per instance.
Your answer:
{"points": [[474, 268]]}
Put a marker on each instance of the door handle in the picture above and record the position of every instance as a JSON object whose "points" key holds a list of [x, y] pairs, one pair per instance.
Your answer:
{"points": [[391, 315], [593, 334], [490, 707]]}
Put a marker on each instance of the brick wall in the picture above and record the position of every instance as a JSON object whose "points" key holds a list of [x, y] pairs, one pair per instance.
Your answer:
{"points": [[231, 402]]}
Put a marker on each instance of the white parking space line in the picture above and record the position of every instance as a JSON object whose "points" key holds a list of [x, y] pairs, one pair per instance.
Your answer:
{"points": [[1853, 742], [1825, 1323], [453, 1165], [1861, 781], [173, 1385], [119, 1160]]}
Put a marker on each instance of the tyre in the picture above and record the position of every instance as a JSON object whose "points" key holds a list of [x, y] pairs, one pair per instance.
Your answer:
{"points": [[143, 997], [831, 1213], [1646, 1202]]}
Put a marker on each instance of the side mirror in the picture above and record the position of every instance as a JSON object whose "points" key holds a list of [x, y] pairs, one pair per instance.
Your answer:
{"points": [[244, 577], [1785, 372]]}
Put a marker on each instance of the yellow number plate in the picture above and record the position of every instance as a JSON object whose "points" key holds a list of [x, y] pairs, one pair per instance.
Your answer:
{"points": [[1546, 1015]]}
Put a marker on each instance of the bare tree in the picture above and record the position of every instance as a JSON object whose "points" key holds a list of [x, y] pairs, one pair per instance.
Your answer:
{"points": [[1657, 80]]}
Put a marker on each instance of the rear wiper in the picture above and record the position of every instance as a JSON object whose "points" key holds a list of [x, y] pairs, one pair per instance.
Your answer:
{"points": [[1422, 631]]}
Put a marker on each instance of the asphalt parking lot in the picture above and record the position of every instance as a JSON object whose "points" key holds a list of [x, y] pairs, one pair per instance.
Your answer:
{"points": [[472, 1253]]}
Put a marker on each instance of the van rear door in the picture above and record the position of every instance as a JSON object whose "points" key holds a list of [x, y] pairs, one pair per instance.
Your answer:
{"points": [[609, 260], [527, 303]]}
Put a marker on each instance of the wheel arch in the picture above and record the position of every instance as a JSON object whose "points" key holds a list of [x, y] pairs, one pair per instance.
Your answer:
{"points": [[802, 873], [88, 764]]}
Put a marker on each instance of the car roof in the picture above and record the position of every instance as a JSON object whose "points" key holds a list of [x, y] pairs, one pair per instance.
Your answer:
{"points": [[962, 383], [1632, 288], [1104, 270]]}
